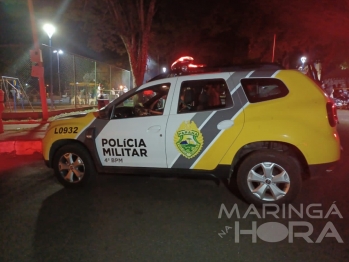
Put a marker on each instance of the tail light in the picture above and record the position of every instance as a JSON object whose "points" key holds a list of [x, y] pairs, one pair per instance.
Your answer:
{"points": [[332, 114]]}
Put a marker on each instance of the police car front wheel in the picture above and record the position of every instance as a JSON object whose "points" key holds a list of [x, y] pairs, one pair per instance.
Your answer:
{"points": [[73, 166], [269, 177]]}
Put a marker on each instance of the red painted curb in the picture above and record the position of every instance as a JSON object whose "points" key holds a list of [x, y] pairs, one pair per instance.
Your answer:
{"points": [[21, 147]]}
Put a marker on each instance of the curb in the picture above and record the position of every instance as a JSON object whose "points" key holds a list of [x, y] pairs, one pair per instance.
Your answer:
{"points": [[21, 147], [30, 122], [37, 116]]}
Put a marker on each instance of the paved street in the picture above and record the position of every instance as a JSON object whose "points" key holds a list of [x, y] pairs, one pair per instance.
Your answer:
{"points": [[155, 219]]}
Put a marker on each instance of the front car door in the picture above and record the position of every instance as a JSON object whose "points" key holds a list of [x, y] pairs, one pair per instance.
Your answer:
{"points": [[135, 134]]}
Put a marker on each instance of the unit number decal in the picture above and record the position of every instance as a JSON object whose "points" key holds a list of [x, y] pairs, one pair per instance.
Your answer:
{"points": [[66, 130]]}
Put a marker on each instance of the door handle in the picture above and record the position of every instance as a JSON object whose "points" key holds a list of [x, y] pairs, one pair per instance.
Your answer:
{"points": [[225, 124], [154, 129]]}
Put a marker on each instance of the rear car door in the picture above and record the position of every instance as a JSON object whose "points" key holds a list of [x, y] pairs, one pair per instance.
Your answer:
{"points": [[198, 136]]}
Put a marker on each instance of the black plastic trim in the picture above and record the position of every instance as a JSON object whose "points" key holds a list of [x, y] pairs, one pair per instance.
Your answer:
{"points": [[222, 171]]}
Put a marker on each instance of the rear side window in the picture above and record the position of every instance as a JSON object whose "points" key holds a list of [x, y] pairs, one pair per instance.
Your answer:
{"points": [[263, 89], [201, 95]]}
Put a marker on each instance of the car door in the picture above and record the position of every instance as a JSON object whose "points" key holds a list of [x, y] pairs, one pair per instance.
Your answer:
{"points": [[133, 137], [198, 136]]}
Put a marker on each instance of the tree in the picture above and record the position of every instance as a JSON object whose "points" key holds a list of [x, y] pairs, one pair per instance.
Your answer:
{"points": [[133, 20], [118, 26], [317, 29], [204, 31]]}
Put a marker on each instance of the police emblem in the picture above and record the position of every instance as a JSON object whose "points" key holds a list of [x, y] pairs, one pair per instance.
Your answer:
{"points": [[188, 139]]}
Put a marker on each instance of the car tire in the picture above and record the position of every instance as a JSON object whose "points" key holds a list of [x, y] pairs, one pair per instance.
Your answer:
{"points": [[269, 177], [73, 166]]}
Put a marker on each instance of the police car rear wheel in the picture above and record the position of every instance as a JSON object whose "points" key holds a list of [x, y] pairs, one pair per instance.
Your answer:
{"points": [[269, 177], [73, 166]]}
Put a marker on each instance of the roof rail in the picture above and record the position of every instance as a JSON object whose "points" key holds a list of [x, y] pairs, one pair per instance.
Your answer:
{"points": [[203, 70]]}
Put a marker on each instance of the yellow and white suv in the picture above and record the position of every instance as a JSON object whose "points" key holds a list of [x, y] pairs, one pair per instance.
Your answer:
{"points": [[261, 127]]}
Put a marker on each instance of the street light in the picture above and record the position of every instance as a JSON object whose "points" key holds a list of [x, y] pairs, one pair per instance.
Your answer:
{"points": [[58, 52], [50, 30]]}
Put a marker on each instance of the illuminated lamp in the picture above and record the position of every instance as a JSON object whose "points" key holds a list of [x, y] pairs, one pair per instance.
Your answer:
{"points": [[181, 59], [184, 64]]}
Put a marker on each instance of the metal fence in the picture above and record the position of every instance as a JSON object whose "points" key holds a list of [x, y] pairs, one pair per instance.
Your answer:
{"points": [[74, 78]]}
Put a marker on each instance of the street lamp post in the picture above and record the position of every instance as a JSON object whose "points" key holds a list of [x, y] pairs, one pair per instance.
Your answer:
{"points": [[50, 30], [58, 52]]}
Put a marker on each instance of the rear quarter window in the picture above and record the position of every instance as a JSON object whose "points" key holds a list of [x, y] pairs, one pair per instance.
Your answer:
{"points": [[263, 89]]}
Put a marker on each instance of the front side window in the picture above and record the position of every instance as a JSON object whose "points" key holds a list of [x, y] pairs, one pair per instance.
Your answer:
{"points": [[263, 89], [201, 95], [146, 102]]}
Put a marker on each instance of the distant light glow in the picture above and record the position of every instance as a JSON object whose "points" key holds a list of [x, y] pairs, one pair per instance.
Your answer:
{"points": [[303, 59], [164, 69], [58, 51]]}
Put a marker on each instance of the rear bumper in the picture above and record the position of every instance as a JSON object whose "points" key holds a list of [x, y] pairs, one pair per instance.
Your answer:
{"points": [[321, 169]]}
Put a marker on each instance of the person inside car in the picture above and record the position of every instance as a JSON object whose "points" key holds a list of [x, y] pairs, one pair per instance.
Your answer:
{"points": [[159, 111]]}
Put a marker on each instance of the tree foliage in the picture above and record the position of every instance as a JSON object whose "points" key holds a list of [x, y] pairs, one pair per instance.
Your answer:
{"points": [[195, 29], [118, 25], [317, 29], [133, 20]]}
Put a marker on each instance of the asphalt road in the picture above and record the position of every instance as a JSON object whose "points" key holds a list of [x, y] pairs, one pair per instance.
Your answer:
{"points": [[155, 219]]}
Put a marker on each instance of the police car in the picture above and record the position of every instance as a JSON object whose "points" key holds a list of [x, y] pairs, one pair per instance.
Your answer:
{"points": [[262, 127]]}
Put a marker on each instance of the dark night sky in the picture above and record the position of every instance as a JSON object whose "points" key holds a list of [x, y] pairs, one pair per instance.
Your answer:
{"points": [[15, 26], [15, 29]]}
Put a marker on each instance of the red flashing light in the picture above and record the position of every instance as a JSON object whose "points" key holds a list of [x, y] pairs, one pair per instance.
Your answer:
{"points": [[195, 66], [148, 92], [182, 59], [184, 62]]}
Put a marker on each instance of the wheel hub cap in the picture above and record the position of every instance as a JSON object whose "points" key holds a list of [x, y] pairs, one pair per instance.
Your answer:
{"points": [[268, 181], [71, 167]]}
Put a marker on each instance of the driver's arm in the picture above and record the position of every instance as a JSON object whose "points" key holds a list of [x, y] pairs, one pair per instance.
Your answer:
{"points": [[151, 108]]}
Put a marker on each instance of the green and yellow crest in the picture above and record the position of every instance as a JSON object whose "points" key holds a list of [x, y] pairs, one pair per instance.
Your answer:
{"points": [[188, 139]]}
